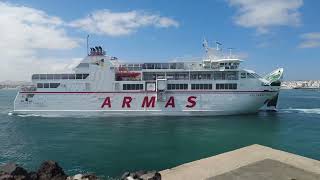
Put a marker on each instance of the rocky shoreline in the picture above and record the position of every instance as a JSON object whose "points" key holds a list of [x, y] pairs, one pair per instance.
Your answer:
{"points": [[50, 170]]}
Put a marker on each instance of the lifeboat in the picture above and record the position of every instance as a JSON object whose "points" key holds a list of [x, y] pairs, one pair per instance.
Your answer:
{"points": [[124, 73]]}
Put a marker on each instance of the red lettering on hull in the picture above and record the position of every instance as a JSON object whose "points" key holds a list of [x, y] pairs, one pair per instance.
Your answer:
{"points": [[147, 103], [192, 101], [126, 101], [170, 102], [150, 102], [106, 102]]}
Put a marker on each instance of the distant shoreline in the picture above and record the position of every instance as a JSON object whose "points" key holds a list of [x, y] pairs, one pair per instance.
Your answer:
{"points": [[306, 84]]}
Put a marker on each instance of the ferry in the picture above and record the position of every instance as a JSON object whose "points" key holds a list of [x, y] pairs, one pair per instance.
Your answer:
{"points": [[103, 85]]}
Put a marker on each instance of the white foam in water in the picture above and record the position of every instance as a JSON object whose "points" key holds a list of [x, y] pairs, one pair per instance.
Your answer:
{"points": [[307, 111]]}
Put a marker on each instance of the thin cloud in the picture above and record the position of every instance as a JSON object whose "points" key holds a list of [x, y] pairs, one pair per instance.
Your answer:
{"points": [[24, 33], [263, 15], [110, 23], [310, 40]]}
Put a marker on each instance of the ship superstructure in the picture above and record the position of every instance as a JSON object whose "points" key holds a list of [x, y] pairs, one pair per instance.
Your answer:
{"points": [[103, 85]]}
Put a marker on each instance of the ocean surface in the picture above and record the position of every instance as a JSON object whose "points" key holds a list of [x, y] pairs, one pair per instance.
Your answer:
{"points": [[110, 146]]}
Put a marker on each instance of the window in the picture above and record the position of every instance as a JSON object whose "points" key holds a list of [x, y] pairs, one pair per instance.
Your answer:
{"points": [[226, 86], [177, 86], [57, 76], [85, 76], [132, 86], [46, 85], [64, 76], [40, 85], [231, 75], [201, 86], [35, 76], [49, 76], [218, 75], [78, 76], [54, 85], [226, 75], [243, 75], [71, 76], [43, 76], [234, 86]]}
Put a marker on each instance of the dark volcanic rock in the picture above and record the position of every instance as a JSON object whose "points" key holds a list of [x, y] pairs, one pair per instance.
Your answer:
{"points": [[50, 170], [13, 169], [33, 175], [6, 177], [157, 176]]}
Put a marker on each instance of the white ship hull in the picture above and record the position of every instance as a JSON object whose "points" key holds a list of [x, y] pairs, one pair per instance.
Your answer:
{"points": [[101, 85], [136, 104]]}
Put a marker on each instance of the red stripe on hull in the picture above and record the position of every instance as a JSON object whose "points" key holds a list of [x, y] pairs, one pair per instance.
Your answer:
{"points": [[30, 92]]}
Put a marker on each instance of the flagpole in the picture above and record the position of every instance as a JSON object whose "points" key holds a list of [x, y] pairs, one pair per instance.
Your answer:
{"points": [[88, 44]]}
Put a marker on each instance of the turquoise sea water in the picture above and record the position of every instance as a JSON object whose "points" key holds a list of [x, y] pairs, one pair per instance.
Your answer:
{"points": [[111, 146]]}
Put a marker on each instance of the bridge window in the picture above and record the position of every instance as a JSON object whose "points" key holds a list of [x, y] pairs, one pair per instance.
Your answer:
{"points": [[132, 86]]}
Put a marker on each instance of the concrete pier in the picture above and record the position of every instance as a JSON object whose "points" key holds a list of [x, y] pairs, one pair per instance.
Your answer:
{"points": [[248, 163]]}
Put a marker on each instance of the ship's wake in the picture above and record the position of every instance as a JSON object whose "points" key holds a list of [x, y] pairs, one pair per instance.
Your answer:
{"points": [[299, 110]]}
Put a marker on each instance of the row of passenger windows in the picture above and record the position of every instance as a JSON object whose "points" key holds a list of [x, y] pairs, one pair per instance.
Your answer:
{"points": [[132, 87], [249, 75], [201, 86], [177, 86], [216, 75], [59, 76], [226, 86], [48, 85], [183, 86]]}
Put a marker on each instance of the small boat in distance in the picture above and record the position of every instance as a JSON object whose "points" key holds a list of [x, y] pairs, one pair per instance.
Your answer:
{"points": [[103, 85]]}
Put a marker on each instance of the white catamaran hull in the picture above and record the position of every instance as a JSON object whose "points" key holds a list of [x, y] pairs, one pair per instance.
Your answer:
{"points": [[178, 103]]}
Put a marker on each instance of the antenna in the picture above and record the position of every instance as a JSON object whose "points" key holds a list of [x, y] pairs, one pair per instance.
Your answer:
{"points": [[218, 44], [88, 44], [230, 52], [205, 44]]}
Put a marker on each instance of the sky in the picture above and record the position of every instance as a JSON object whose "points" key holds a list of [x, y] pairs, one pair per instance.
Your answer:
{"points": [[46, 36]]}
